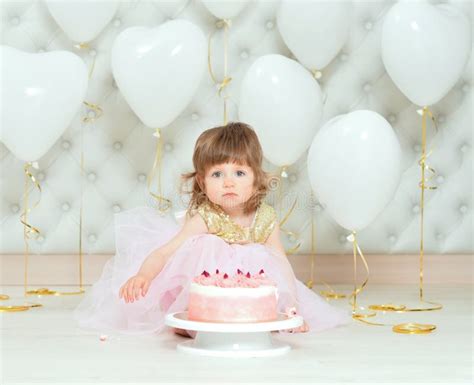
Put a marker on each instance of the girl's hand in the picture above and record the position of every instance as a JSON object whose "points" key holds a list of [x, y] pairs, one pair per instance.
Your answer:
{"points": [[134, 287]]}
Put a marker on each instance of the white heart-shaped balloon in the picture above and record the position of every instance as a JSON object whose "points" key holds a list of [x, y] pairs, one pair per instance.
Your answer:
{"points": [[282, 101], [82, 20], [425, 48], [225, 9], [354, 167], [158, 70], [41, 94], [314, 31]]}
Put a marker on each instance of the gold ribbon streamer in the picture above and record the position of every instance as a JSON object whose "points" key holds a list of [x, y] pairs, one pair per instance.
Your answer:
{"points": [[416, 328], [164, 204], [310, 282], [225, 82], [28, 230], [357, 290], [290, 211]]}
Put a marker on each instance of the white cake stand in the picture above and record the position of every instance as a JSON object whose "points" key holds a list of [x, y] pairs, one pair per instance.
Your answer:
{"points": [[233, 339]]}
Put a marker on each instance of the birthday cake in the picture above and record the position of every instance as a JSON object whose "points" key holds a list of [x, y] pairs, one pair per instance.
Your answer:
{"points": [[242, 297]]}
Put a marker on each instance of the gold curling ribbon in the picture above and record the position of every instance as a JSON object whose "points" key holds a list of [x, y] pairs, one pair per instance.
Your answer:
{"points": [[45, 291], [330, 293], [357, 290], [28, 231], [283, 174], [225, 82], [310, 282], [411, 327], [164, 204]]}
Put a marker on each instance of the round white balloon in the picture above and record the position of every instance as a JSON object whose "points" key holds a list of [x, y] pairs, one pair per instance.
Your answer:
{"points": [[41, 94], [354, 167], [282, 101], [158, 70], [314, 31], [82, 21], [425, 48], [225, 9]]}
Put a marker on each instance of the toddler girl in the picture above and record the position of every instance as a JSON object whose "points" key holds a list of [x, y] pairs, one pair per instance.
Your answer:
{"points": [[227, 227]]}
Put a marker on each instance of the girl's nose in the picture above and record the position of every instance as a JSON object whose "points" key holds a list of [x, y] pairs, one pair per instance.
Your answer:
{"points": [[228, 181]]}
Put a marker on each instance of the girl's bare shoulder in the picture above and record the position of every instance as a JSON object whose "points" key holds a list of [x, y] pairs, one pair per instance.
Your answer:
{"points": [[195, 224]]}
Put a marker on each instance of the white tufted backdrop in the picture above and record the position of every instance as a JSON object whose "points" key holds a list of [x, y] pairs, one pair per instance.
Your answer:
{"points": [[119, 150]]}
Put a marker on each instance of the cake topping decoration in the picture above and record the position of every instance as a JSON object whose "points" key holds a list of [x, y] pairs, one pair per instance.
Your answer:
{"points": [[237, 280], [217, 271]]}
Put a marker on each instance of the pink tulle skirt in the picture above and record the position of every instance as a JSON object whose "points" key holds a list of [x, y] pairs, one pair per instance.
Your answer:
{"points": [[140, 231]]}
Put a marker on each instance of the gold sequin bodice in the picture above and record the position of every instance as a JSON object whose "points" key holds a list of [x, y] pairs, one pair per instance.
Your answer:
{"points": [[220, 224]]}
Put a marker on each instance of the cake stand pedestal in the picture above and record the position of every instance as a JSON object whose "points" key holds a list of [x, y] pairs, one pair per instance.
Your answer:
{"points": [[233, 339]]}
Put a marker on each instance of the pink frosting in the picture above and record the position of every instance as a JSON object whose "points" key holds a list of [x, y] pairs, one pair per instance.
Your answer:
{"points": [[237, 280]]}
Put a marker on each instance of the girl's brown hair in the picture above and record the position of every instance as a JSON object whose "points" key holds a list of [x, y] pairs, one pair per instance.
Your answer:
{"points": [[235, 142]]}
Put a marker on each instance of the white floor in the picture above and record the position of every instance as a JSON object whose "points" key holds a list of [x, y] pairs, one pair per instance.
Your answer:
{"points": [[43, 345]]}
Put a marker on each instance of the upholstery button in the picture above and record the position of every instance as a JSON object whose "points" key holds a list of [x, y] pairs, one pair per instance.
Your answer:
{"points": [[41, 50], [14, 208], [464, 148], [293, 178], [244, 55], [439, 236], [66, 145], [41, 176], [168, 147], [415, 209], [194, 116], [463, 209], [441, 118], [292, 238], [368, 25], [416, 147], [92, 176], [367, 87], [15, 20], [440, 179], [392, 238], [318, 207], [392, 118], [40, 239], [342, 238], [65, 206], [117, 22], [92, 52], [118, 146], [343, 57], [92, 238], [141, 177], [91, 114], [269, 25]]}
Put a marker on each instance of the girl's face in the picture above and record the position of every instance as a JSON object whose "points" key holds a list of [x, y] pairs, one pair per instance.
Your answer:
{"points": [[229, 185]]}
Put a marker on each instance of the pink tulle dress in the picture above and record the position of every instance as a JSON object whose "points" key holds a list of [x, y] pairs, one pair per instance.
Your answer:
{"points": [[227, 247]]}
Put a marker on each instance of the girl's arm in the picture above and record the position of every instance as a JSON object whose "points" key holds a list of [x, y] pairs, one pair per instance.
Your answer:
{"points": [[154, 263], [158, 258], [274, 242]]}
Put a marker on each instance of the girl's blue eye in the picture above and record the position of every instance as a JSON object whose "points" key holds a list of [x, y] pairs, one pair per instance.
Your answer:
{"points": [[215, 173], [240, 173]]}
